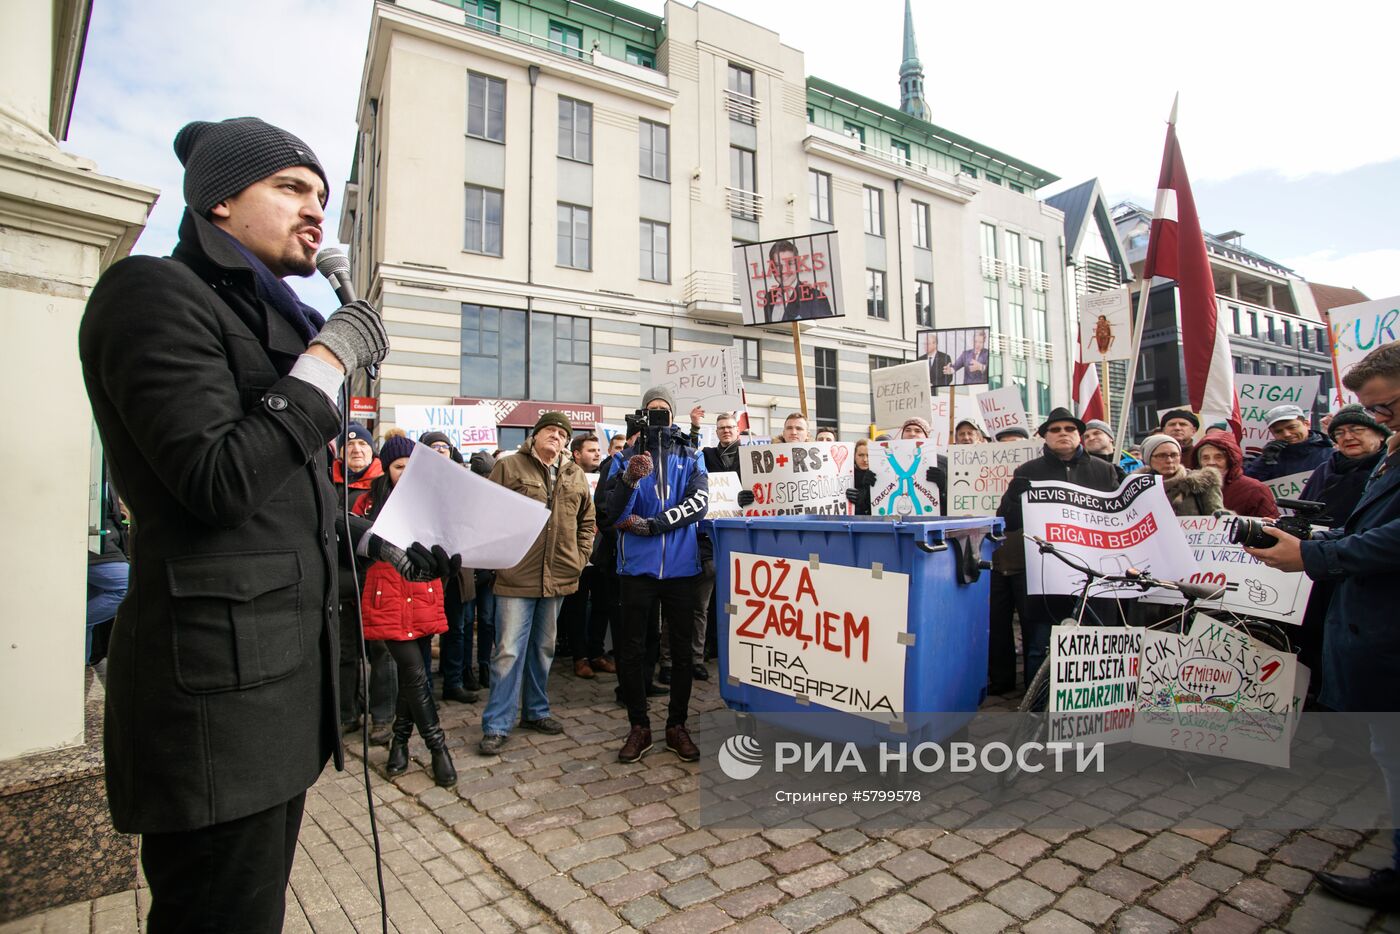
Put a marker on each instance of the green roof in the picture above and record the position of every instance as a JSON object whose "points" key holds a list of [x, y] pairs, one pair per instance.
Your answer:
{"points": [[929, 134]]}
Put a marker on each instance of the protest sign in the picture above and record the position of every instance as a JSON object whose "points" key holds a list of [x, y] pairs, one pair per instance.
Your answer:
{"points": [[902, 487], [1250, 587], [978, 474], [955, 355], [793, 279], [1105, 328], [844, 454], [1130, 527], [592, 479], [708, 378], [1258, 394], [724, 495], [827, 635], [792, 479], [1002, 409], [1215, 691], [900, 392], [470, 427], [1359, 329], [1093, 683], [607, 432], [940, 404], [1291, 486]]}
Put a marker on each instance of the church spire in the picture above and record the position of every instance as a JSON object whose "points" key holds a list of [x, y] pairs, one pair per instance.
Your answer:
{"points": [[911, 72]]}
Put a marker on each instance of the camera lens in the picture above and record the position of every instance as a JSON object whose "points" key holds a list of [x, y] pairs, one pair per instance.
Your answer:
{"points": [[1249, 532]]}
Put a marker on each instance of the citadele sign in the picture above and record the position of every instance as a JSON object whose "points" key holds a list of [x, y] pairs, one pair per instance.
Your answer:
{"points": [[364, 408]]}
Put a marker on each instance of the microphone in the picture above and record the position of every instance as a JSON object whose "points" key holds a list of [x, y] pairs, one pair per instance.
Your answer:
{"points": [[332, 263]]}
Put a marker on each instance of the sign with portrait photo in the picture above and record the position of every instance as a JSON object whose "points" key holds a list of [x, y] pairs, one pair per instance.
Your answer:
{"points": [[956, 356], [793, 279]]}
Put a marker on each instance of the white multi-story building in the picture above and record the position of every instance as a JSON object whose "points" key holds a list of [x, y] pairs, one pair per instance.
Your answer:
{"points": [[545, 193]]}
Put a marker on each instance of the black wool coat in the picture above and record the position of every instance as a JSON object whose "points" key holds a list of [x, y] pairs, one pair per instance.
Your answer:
{"points": [[221, 694]]}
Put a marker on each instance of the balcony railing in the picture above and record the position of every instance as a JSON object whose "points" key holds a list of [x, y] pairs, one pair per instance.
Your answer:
{"points": [[741, 107], [1016, 275], [993, 268], [1040, 281], [746, 205]]}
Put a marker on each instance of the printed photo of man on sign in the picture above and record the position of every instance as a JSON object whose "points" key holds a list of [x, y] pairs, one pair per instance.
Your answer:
{"points": [[956, 356], [794, 279]]}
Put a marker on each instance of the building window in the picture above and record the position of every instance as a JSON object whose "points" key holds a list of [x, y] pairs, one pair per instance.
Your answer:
{"points": [[559, 358], [923, 303], [494, 359], [854, 130], [819, 195], [1287, 332], [1253, 323], [828, 395], [1269, 328], [575, 130], [575, 236], [750, 357], [967, 170], [743, 172], [655, 340], [1042, 387], [1235, 316], [566, 40], [874, 211], [875, 294], [1019, 189], [1013, 249], [1303, 332], [989, 247], [1018, 379], [655, 150], [1041, 318], [1257, 366], [486, 107], [1321, 336], [483, 220], [636, 56], [921, 228], [1039, 281], [656, 251], [740, 82], [991, 306], [484, 15], [900, 150], [1144, 419], [1147, 367], [993, 179]]}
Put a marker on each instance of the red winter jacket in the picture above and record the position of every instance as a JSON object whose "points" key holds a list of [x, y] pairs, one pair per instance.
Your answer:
{"points": [[396, 610], [1244, 496]]}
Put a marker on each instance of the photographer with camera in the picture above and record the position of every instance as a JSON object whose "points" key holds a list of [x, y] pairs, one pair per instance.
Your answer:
{"points": [[660, 495], [1361, 651]]}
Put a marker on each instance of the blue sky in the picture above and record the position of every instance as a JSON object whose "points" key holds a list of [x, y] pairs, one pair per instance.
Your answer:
{"points": [[1279, 120]]}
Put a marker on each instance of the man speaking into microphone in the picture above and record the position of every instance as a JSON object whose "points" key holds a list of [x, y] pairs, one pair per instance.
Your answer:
{"points": [[213, 389]]}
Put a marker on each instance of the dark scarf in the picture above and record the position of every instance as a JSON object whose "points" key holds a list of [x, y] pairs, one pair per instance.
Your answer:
{"points": [[306, 320]]}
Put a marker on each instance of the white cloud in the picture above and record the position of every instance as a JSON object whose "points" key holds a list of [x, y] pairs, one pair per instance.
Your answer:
{"points": [[1374, 272]]}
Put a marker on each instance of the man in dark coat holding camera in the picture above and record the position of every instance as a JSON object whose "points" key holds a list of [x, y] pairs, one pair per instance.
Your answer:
{"points": [[214, 392]]}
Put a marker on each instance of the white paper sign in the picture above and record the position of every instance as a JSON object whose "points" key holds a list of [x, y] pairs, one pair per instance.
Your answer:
{"points": [[1131, 527], [1093, 683], [1105, 325], [1217, 692], [1251, 588], [966, 408], [436, 502], [1359, 329], [707, 378], [978, 474], [1291, 486], [828, 634], [792, 479], [724, 495], [1258, 394], [902, 487], [1002, 409], [901, 392], [471, 428]]}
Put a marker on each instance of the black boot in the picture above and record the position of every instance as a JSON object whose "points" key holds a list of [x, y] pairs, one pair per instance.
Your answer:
{"points": [[397, 762], [425, 717]]}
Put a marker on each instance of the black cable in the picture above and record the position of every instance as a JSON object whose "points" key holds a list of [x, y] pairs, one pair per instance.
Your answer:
{"points": [[362, 662]]}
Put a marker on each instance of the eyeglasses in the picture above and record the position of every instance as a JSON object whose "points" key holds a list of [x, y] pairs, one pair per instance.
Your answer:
{"points": [[1167, 456], [1357, 430], [1383, 409], [440, 446], [1060, 429]]}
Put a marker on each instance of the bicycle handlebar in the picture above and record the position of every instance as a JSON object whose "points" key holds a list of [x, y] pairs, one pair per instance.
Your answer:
{"points": [[1191, 591]]}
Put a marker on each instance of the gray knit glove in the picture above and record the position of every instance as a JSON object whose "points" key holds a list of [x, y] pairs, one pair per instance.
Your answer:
{"points": [[355, 334]]}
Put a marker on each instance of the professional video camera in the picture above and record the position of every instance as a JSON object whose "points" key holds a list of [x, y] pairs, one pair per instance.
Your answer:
{"points": [[1242, 530]]}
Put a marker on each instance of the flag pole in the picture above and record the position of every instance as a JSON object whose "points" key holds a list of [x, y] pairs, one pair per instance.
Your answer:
{"points": [[801, 379], [1108, 389], [952, 411]]}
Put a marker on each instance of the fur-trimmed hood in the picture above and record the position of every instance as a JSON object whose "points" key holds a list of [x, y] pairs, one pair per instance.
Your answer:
{"points": [[1192, 492]]}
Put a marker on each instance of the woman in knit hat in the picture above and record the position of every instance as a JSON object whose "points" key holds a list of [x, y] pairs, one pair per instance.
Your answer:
{"points": [[1190, 492], [405, 615]]}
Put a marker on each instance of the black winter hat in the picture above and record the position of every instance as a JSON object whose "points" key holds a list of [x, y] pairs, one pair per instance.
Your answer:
{"points": [[357, 430], [393, 448], [1355, 414], [1187, 414], [221, 159]]}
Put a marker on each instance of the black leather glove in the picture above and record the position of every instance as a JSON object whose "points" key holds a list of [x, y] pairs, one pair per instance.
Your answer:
{"points": [[852, 495], [745, 499], [1271, 451], [356, 335], [418, 563], [868, 480], [934, 475], [638, 467]]}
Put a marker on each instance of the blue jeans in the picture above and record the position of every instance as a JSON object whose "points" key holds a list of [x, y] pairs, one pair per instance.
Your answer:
{"points": [[520, 662], [106, 586], [456, 645]]}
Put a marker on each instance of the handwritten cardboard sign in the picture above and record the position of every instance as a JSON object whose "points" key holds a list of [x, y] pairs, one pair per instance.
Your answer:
{"points": [[1258, 394], [828, 636], [724, 495], [1289, 487], [901, 392], [1358, 329], [708, 378], [978, 474], [471, 428], [792, 479], [1002, 409], [1093, 683], [902, 487]]}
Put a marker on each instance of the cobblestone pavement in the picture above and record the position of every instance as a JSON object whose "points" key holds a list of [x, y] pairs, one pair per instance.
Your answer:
{"points": [[555, 834]]}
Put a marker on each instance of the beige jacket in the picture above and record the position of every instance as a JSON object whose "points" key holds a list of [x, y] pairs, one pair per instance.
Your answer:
{"points": [[552, 566]]}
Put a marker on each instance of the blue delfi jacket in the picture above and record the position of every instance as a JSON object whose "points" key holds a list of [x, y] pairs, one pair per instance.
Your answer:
{"points": [[673, 499]]}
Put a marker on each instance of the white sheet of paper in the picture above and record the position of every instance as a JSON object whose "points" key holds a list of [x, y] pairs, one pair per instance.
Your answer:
{"points": [[437, 502]]}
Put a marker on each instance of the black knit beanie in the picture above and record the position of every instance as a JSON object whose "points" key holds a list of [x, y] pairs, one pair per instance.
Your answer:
{"points": [[1355, 415], [221, 159]]}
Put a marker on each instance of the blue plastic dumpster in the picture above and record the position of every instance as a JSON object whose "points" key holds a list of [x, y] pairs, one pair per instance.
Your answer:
{"points": [[945, 665]]}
